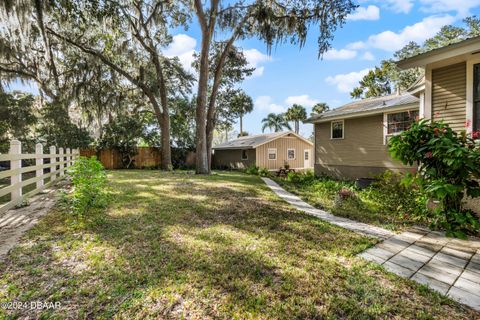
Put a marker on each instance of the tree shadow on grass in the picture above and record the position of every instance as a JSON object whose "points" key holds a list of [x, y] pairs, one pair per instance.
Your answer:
{"points": [[204, 247]]}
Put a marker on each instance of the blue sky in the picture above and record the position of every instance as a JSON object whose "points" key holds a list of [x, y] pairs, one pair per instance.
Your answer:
{"points": [[292, 75]]}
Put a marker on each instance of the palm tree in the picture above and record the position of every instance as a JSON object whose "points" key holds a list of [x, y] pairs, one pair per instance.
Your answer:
{"points": [[275, 122], [320, 108], [241, 104], [296, 113]]}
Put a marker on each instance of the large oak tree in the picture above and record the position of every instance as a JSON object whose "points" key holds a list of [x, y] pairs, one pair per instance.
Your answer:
{"points": [[273, 22]]}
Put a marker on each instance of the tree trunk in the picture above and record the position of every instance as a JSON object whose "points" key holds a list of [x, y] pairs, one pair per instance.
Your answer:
{"points": [[241, 124], [210, 129], [202, 162], [166, 151]]}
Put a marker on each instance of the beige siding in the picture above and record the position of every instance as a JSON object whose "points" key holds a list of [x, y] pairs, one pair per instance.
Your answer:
{"points": [[233, 159], [361, 153], [282, 144], [449, 86]]}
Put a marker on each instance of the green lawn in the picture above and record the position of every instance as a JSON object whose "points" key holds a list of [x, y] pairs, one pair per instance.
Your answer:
{"points": [[176, 245]]}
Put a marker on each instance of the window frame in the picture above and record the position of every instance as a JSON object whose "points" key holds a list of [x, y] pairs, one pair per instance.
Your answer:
{"points": [[246, 154], [268, 153], [386, 135], [294, 154], [331, 129], [475, 99]]}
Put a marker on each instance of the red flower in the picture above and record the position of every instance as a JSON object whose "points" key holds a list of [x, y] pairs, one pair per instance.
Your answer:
{"points": [[476, 134], [429, 155], [435, 131]]}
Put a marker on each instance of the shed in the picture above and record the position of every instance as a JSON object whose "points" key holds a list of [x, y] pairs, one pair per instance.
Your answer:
{"points": [[271, 151]]}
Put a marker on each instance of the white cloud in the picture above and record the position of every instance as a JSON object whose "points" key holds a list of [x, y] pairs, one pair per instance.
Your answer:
{"points": [[255, 58], [418, 32], [368, 56], [462, 7], [399, 6], [265, 103], [365, 13], [303, 100], [346, 82], [356, 45], [342, 54], [183, 47]]}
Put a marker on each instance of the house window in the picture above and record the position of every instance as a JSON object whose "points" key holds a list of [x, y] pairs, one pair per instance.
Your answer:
{"points": [[291, 154], [272, 154], [306, 155], [400, 121], [244, 155], [476, 97], [337, 129]]}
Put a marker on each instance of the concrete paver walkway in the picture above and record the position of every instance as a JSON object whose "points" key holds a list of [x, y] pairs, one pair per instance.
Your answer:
{"points": [[449, 266]]}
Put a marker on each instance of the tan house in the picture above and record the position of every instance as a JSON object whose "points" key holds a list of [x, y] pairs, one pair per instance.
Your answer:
{"points": [[271, 151], [452, 86], [351, 140]]}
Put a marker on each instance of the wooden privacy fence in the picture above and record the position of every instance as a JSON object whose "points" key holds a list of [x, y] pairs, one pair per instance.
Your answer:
{"points": [[146, 157], [58, 164]]}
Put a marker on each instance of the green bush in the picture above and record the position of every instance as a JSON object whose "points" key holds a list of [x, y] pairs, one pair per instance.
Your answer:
{"points": [[449, 169], [253, 169], [301, 177], [263, 172], [89, 185]]}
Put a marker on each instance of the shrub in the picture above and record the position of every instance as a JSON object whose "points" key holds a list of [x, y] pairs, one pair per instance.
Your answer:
{"points": [[253, 169], [89, 185], [301, 177], [263, 172], [449, 168]]}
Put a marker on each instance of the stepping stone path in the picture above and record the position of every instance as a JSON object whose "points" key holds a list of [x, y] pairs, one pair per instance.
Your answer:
{"points": [[446, 265]]}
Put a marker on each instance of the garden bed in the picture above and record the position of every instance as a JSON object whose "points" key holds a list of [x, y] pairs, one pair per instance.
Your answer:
{"points": [[384, 203]]}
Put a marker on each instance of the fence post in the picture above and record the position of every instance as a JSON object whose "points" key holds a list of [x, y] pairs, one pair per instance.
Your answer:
{"points": [[15, 149], [69, 157], [53, 161], [39, 162], [62, 159]]}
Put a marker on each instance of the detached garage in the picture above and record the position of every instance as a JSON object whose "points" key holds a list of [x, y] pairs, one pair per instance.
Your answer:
{"points": [[271, 151]]}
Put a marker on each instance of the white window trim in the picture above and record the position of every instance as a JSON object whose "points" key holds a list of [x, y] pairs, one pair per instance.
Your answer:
{"points": [[331, 129], [385, 124], [470, 63], [246, 153], [269, 152], [294, 154], [306, 151]]}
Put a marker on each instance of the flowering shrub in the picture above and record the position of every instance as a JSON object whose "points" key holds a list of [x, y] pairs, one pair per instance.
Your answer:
{"points": [[89, 184], [449, 168]]}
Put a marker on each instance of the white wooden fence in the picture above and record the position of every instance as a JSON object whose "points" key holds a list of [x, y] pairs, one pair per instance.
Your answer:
{"points": [[59, 162]]}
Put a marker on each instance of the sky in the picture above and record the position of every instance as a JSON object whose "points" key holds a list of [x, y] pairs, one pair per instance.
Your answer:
{"points": [[291, 75]]}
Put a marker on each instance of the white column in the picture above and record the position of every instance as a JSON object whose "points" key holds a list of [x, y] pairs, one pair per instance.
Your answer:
{"points": [[62, 158], [53, 161], [39, 162], [69, 157], [15, 149]]}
